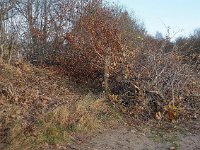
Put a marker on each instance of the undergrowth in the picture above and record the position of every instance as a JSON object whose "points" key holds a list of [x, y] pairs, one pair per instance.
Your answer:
{"points": [[34, 120]]}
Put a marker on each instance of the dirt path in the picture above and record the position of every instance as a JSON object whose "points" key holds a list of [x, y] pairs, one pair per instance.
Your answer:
{"points": [[129, 139]]}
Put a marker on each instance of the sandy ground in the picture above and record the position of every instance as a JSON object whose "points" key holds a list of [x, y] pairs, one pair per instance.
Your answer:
{"points": [[130, 139]]}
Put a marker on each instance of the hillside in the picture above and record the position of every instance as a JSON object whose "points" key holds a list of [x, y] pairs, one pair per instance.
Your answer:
{"points": [[76, 73], [39, 107]]}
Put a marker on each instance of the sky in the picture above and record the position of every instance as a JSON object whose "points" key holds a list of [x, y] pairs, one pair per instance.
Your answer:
{"points": [[182, 16]]}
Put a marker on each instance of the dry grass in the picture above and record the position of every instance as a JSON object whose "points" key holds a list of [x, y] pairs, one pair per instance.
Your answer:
{"points": [[38, 109], [57, 127], [95, 113]]}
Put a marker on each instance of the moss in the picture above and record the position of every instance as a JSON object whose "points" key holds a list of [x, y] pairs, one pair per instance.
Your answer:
{"points": [[54, 134]]}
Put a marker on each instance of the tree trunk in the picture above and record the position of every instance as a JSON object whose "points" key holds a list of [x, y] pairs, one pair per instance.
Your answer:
{"points": [[106, 73], [10, 51], [2, 52]]}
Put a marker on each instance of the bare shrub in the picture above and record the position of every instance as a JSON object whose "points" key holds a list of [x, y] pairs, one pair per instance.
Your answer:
{"points": [[164, 79]]}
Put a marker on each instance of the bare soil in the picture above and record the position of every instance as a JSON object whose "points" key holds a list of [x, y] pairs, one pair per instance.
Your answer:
{"points": [[129, 138]]}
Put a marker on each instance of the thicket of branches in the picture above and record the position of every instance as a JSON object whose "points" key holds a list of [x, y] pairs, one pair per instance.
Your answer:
{"points": [[189, 47], [105, 48]]}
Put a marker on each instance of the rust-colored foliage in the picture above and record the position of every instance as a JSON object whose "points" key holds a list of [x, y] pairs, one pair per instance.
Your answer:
{"points": [[94, 36]]}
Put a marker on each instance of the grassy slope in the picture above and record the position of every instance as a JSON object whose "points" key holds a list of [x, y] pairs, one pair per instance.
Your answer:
{"points": [[40, 109]]}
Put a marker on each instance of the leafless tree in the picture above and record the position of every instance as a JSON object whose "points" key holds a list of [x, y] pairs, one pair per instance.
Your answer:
{"points": [[6, 12]]}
